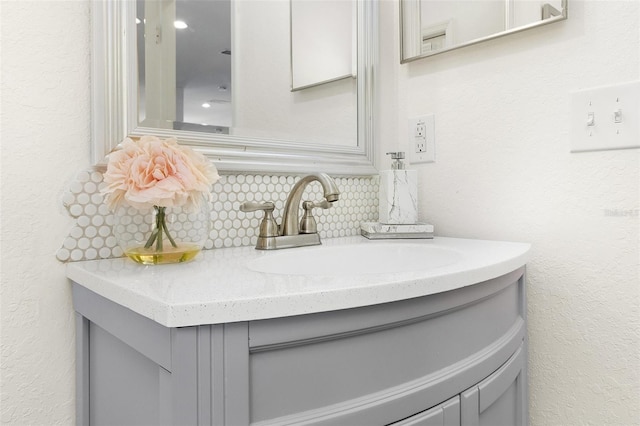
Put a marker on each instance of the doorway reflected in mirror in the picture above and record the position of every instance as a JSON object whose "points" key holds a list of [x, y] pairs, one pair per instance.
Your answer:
{"points": [[184, 64]]}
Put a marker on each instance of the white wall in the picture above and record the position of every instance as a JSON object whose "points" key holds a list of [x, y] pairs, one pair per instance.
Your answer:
{"points": [[44, 141], [504, 172]]}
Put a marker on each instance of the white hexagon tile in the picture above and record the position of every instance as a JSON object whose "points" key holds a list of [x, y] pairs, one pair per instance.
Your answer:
{"points": [[92, 236]]}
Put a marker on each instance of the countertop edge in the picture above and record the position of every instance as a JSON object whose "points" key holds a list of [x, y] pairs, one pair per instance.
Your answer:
{"points": [[249, 309]]}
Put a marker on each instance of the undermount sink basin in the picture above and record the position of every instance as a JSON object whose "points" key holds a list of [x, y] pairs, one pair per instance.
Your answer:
{"points": [[355, 259]]}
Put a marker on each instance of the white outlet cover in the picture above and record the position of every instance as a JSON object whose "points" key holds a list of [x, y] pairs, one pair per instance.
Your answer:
{"points": [[428, 156], [598, 107]]}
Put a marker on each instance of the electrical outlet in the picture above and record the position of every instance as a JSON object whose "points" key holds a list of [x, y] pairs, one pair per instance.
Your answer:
{"points": [[421, 139], [606, 118]]}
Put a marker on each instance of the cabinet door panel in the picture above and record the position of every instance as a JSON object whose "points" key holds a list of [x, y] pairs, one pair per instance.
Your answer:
{"points": [[499, 399], [125, 387], [494, 386], [504, 410]]}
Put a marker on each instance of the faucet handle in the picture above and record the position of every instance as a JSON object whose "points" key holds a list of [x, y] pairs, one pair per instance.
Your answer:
{"points": [[268, 226], [308, 223], [252, 206]]}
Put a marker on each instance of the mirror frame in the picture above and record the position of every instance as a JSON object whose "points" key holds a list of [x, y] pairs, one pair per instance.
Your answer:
{"points": [[563, 16], [114, 105]]}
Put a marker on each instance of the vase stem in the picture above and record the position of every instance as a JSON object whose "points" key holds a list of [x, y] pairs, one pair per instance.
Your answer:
{"points": [[159, 227], [156, 234], [166, 231], [152, 238]]}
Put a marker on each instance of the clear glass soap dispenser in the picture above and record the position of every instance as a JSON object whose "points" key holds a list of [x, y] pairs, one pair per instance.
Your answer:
{"points": [[398, 203]]}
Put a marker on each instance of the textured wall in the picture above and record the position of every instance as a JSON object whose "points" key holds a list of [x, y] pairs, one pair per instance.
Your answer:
{"points": [[504, 171], [45, 126]]}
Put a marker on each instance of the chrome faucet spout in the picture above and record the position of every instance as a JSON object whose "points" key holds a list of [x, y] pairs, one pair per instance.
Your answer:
{"points": [[290, 219]]}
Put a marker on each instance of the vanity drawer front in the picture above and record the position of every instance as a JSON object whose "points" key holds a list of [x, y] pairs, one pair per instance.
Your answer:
{"points": [[387, 361]]}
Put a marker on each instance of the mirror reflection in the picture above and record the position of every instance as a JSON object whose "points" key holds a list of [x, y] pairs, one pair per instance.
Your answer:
{"points": [[435, 26], [198, 72], [323, 42], [184, 64]]}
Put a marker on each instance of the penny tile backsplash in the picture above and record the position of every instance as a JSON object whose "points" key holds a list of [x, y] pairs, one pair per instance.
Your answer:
{"points": [[92, 238]]}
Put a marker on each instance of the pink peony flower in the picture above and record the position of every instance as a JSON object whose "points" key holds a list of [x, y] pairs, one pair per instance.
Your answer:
{"points": [[154, 172]]}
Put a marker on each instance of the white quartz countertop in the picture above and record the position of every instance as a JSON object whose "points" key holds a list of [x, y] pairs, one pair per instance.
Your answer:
{"points": [[219, 287]]}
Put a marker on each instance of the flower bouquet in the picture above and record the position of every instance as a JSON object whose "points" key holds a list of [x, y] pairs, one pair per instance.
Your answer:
{"points": [[159, 193]]}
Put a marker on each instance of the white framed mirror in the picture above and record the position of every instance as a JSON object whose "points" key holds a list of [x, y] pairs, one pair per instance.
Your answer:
{"points": [[116, 98], [430, 27]]}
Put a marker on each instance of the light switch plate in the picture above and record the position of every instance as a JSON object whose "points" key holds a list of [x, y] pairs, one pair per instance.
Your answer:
{"points": [[606, 118]]}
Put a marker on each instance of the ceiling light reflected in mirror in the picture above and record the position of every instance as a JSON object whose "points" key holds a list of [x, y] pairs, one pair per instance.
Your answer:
{"points": [[180, 25]]}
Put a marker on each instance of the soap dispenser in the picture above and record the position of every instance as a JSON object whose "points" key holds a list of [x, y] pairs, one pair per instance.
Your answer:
{"points": [[398, 202]]}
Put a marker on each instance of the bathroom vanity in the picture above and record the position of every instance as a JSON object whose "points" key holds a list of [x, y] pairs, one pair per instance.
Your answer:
{"points": [[428, 332]]}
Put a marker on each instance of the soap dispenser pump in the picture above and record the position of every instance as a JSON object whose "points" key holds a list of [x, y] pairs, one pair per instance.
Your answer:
{"points": [[398, 202], [397, 158]]}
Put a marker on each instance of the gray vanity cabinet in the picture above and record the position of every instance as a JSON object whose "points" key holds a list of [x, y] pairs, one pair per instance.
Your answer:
{"points": [[451, 358]]}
